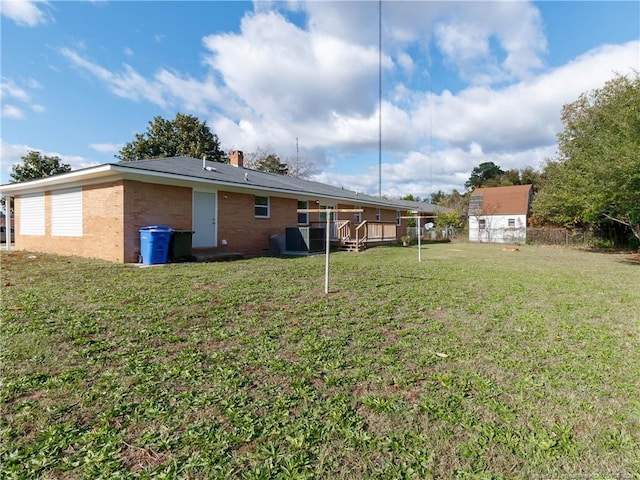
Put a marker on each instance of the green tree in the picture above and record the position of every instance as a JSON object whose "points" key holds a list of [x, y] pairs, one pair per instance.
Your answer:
{"points": [[272, 164], [596, 177], [454, 200], [529, 176], [510, 177], [35, 165], [183, 136], [487, 174], [439, 197], [452, 218]]}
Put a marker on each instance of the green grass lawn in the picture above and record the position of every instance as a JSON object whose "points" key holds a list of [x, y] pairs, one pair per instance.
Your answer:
{"points": [[475, 363]]}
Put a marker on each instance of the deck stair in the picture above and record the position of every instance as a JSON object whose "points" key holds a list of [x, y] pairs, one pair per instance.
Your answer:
{"points": [[352, 237], [351, 245]]}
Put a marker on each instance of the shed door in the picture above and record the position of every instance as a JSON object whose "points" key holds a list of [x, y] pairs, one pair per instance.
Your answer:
{"points": [[204, 219]]}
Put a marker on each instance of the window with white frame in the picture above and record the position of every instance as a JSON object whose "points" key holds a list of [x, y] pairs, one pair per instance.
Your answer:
{"points": [[357, 217], [482, 224], [323, 215], [261, 208], [32, 214], [303, 218], [511, 222], [378, 215], [398, 218], [66, 213]]}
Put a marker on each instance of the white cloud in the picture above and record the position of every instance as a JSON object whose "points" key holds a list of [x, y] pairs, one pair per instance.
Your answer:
{"points": [[422, 173], [284, 73], [106, 147], [9, 89], [165, 89], [26, 13], [461, 30], [526, 114], [11, 111], [33, 84], [12, 154], [127, 84], [128, 52], [273, 82]]}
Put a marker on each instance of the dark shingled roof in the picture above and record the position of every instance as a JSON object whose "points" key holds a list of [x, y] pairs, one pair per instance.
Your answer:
{"points": [[247, 178]]}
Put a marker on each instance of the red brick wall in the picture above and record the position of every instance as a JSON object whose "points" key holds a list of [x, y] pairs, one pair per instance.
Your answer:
{"points": [[246, 233], [153, 204], [113, 212], [101, 228]]}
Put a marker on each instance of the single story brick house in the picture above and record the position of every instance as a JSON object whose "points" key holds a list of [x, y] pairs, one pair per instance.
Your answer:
{"points": [[97, 212], [500, 214]]}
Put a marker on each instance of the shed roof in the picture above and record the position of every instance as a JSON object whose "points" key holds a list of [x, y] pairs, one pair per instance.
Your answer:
{"points": [[514, 200]]}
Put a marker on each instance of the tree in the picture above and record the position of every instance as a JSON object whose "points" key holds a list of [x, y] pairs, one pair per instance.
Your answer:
{"points": [[35, 165], [596, 177], [272, 164], [300, 167], [510, 177], [487, 174], [183, 136], [529, 176], [452, 218], [293, 167], [411, 198]]}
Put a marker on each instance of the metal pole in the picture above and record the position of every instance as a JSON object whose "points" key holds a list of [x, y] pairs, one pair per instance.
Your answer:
{"points": [[419, 235], [326, 267], [380, 98]]}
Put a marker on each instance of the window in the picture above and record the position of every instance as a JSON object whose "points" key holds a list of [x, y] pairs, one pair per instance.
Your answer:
{"points": [[378, 216], [482, 223], [262, 207], [32, 215], [398, 218], [512, 222], [357, 217], [323, 215], [66, 213], [303, 218]]}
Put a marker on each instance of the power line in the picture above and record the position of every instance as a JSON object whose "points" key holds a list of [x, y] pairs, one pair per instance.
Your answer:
{"points": [[380, 98]]}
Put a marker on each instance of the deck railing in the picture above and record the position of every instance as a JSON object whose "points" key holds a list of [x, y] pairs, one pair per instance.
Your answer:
{"points": [[368, 231], [376, 231]]}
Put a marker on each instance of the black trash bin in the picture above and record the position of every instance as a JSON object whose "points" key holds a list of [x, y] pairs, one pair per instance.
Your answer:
{"points": [[180, 246]]}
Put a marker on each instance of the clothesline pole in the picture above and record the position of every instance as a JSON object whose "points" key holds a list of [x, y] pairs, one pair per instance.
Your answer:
{"points": [[328, 212]]}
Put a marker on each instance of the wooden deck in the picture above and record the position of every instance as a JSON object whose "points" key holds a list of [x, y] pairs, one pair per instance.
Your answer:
{"points": [[345, 235]]}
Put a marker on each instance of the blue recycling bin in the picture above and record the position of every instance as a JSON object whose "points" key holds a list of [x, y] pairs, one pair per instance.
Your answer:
{"points": [[154, 244]]}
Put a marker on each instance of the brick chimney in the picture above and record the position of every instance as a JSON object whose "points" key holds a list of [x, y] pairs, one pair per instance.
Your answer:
{"points": [[236, 158]]}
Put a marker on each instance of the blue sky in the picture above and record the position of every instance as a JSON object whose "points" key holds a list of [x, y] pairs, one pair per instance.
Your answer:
{"points": [[463, 82]]}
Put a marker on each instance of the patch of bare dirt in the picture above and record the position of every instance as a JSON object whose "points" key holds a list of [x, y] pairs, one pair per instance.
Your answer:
{"points": [[633, 258]]}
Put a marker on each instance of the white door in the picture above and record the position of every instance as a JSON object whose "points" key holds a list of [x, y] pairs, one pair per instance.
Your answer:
{"points": [[204, 220]]}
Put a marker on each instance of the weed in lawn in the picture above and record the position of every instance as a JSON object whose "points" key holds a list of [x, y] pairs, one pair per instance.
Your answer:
{"points": [[473, 364]]}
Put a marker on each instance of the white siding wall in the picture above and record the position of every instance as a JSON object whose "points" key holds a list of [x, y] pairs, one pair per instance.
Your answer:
{"points": [[497, 229], [32, 214], [66, 213]]}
